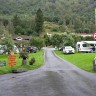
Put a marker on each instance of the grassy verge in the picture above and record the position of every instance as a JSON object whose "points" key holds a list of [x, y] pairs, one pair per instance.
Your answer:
{"points": [[38, 57], [82, 60]]}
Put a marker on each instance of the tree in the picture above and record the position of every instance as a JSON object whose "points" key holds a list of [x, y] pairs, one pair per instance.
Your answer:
{"points": [[24, 56], [37, 42], [10, 27], [57, 40], [5, 22], [39, 21], [19, 30], [16, 20], [47, 40], [2, 28], [8, 42]]}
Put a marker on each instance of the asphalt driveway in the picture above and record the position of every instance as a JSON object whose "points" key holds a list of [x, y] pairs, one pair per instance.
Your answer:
{"points": [[56, 78]]}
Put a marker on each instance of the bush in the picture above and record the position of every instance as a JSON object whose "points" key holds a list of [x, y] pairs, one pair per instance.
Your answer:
{"points": [[32, 61], [55, 29], [23, 54]]}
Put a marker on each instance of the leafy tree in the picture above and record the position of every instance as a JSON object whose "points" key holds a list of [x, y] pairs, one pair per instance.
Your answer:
{"points": [[37, 42], [57, 40], [69, 40], [24, 56], [8, 42], [19, 30], [47, 40], [39, 21]]}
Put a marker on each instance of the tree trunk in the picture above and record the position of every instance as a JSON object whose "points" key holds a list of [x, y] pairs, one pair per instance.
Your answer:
{"points": [[24, 62]]}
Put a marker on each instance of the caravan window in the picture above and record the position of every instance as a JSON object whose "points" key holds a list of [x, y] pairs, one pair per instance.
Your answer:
{"points": [[92, 45], [85, 45]]}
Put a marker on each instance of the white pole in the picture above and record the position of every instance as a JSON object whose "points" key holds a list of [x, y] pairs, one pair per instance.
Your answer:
{"points": [[95, 19], [95, 28]]}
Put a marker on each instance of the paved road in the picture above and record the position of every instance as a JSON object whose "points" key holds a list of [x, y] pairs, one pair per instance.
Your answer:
{"points": [[56, 78]]}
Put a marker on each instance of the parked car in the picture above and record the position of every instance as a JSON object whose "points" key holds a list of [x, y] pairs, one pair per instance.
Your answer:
{"points": [[61, 48], [68, 49], [31, 49]]}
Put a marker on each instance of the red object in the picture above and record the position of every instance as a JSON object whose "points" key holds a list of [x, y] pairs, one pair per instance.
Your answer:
{"points": [[94, 35]]}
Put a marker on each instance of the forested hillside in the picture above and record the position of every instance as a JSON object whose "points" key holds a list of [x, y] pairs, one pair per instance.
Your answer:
{"points": [[74, 15], [49, 7]]}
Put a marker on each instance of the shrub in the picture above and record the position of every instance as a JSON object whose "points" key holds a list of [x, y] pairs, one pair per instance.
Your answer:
{"points": [[23, 54], [32, 61], [55, 29]]}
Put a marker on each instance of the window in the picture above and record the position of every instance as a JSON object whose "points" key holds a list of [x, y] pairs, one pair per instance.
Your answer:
{"points": [[84, 45]]}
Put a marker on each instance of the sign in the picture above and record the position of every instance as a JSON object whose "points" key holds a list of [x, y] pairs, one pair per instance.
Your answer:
{"points": [[94, 36], [11, 59]]}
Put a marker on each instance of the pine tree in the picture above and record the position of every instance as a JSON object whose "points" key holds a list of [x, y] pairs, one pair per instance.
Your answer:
{"points": [[39, 22]]}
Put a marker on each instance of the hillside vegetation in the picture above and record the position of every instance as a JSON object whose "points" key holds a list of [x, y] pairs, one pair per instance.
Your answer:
{"points": [[73, 15], [49, 7]]}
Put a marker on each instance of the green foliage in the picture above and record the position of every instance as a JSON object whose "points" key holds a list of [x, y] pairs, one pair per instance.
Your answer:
{"points": [[19, 30], [37, 42], [57, 40], [23, 54], [39, 21], [8, 42], [55, 29], [77, 15], [67, 39], [47, 40], [16, 20], [32, 61]]}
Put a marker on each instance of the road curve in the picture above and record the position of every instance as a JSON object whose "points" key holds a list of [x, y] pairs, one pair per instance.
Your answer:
{"points": [[56, 78]]}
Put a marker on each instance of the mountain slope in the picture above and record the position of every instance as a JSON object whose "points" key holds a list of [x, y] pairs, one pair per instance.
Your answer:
{"points": [[49, 7], [73, 14]]}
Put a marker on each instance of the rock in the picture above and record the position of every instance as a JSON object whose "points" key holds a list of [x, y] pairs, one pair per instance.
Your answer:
{"points": [[20, 70], [3, 63]]}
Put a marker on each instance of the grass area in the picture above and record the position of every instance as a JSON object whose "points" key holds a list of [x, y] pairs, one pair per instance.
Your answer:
{"points": [[38, 57], [82, 60]]}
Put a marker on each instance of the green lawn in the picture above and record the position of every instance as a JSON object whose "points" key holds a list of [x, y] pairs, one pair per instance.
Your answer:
{"points": [[82, 60], [38, 57]]}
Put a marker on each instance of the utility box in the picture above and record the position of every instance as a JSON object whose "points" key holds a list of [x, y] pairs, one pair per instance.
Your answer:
{"points": [[94, 64]]}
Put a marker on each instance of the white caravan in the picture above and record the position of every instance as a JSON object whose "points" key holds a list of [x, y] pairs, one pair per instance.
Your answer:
{"points": [[86, 46]]}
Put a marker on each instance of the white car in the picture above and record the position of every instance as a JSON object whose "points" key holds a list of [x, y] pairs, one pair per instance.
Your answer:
{"points": [[68, 49]]}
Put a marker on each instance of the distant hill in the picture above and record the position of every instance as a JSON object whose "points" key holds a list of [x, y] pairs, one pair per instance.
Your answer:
{"points": [[75, 15], [49, 7]]}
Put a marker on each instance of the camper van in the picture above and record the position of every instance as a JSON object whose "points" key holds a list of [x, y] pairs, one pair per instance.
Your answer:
{"points": [[86, 46]]}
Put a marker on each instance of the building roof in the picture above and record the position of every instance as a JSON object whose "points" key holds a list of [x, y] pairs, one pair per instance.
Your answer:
{"points": [[85, 35]]}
